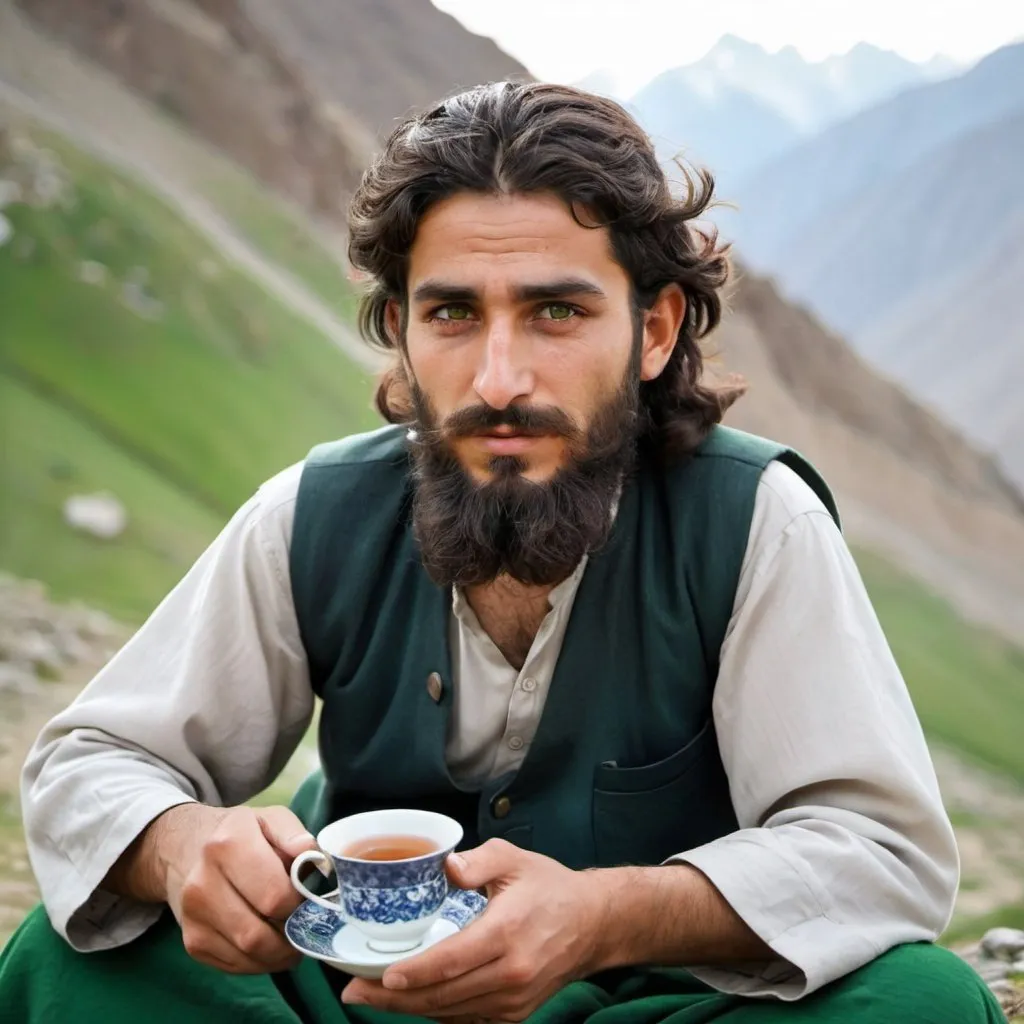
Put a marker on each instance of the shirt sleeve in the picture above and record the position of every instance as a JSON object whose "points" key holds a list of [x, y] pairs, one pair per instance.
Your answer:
{"points": [[844, 849], [206, 702]]}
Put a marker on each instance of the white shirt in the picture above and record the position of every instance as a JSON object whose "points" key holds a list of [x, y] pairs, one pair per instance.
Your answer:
{"points": [[843, 849]]}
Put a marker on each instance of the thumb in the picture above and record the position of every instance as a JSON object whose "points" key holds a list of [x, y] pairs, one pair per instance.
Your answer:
{"points": [[495, 861], [283, 830]]}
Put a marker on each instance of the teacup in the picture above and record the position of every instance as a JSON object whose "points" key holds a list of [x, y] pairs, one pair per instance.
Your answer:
{"points": [[393, 903]]}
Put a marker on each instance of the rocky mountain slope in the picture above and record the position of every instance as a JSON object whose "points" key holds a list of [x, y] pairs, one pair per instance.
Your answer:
{"points": [[296, 90], [902, 229], [909, 486]]}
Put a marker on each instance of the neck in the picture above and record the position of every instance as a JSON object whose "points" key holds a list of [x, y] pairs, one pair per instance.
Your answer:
{"points": [[511, 614]]}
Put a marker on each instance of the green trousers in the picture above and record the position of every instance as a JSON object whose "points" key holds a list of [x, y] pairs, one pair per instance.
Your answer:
{"points": [[154, 981]]}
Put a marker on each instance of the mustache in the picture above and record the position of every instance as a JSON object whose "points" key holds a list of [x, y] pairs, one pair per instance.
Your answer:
{"points": [[476, 419]]}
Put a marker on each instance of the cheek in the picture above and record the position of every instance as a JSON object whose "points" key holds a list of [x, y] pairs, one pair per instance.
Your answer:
{"points": [[443, 373]]}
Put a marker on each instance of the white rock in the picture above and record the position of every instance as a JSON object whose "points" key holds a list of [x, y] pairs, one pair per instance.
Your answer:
{"points": [[6, 230], [140, 303], [101, 514], [92, 272], [1002, 988], [1018, 967], [33, 647], [70, 646], [16, 679], [992, 970], [1003, 943]]}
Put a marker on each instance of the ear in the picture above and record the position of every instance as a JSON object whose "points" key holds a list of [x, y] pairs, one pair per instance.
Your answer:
{"points": [[393, 322], [661, 329]]}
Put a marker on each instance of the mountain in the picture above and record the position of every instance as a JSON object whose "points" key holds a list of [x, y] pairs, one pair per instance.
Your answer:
{"points": [[822, 173], [739, 107], [713, 124], [909, 486], [901, 228], [263, 80]]}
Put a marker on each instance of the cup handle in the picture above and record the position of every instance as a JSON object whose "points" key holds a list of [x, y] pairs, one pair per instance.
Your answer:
{"points": [[305, 858]]}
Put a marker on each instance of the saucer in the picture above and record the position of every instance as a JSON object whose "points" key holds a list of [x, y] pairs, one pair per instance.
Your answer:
{"points": [[318, 932]]}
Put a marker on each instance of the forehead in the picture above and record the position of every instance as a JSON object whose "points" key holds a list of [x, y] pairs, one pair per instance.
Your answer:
{"points": [[486, 241]]}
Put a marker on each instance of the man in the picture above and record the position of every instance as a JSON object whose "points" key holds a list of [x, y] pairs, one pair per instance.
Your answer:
{"points": [[625, 646]]}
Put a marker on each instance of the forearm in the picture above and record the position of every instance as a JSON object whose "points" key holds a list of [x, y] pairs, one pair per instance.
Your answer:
{"points": [[669, 915]]}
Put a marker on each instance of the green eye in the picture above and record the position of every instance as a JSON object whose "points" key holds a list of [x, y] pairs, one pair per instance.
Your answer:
{"points": [[559, 311], [453, 313]]}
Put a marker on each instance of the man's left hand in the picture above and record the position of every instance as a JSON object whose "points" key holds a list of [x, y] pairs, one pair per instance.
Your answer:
{"points": [[539, 932]]}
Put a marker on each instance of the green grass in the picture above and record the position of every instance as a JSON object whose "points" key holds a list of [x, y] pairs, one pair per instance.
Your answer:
{"points": [[182, 417], [968, 928], [967, 683], [280, 234], [57, 456]]}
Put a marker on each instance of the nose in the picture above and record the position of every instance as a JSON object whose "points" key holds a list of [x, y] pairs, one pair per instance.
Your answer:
{"points": [[505, 373]]}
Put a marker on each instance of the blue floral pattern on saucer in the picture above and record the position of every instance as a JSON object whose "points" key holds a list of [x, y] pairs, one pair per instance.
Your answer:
{"points": [[324, 935]]}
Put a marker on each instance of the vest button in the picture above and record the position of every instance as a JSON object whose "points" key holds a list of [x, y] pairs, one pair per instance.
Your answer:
{"points": [[501, 807], [435, 687]]}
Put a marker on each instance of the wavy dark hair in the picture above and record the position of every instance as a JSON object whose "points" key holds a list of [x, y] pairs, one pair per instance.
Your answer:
{"points": [[509, 138]]}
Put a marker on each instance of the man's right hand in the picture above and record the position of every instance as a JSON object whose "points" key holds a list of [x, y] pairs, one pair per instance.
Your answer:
{"points": [[224, 874]]}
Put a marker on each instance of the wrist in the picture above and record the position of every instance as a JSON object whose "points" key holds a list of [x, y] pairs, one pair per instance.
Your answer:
{"points": [[143, 870], [615, 892]]}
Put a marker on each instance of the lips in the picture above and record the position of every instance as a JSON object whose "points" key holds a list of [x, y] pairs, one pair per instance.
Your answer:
{"points": [[505, 441]]}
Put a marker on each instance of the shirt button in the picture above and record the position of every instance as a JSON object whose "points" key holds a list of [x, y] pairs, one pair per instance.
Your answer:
{"points": [[501, 807], [435, 687], [515, 742], [529, 684]]}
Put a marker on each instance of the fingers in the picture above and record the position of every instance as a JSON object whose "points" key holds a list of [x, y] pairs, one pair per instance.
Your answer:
{"points": [[265, 886], [212, 904], [285, 832], [495, 991], [474, 869], [458, 955], [234, 889], [244, 855], [209, 947]]}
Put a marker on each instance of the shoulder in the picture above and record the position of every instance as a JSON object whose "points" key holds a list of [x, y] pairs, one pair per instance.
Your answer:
{"points": [[384, 446], [790, 520]]}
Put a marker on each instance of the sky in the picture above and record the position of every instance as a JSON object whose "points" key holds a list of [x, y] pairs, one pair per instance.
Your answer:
{"points": [[564, 40]]}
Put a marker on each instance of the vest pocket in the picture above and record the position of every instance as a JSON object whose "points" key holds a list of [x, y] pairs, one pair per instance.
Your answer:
{"points": [[645, 814]]}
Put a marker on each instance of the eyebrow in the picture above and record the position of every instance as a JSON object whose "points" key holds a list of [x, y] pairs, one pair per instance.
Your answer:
{"points": [[564, 288]]}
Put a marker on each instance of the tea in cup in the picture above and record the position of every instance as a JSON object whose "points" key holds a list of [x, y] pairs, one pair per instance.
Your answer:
{"points": [[390, 870]]}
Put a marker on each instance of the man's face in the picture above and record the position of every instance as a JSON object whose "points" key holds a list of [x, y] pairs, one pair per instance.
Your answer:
{"points": [[512, 305]]}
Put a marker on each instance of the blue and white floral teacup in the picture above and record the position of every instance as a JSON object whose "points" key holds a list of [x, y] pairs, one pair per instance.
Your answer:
{"points": [[393, 903]]}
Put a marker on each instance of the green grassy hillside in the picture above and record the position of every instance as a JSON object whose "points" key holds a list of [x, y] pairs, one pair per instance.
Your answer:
{"points": [[967, 684], [180, 407]]}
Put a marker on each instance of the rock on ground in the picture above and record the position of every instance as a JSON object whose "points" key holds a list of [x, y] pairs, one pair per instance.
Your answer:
{"points": [[997, 959]]}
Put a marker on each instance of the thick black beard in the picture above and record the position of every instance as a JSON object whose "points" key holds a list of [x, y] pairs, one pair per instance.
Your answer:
{"points": [[536, 533]]}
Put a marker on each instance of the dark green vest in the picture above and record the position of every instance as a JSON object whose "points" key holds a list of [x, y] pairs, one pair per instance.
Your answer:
{"points": [[624, 767]]}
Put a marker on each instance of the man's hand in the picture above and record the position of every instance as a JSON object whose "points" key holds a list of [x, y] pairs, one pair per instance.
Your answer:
{"points": [[538, 933], [224, 873]]}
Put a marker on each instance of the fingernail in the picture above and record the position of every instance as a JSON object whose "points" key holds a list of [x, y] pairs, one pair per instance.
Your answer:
{"points": [[396, 981], [457, 861], [352, 1000]]}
